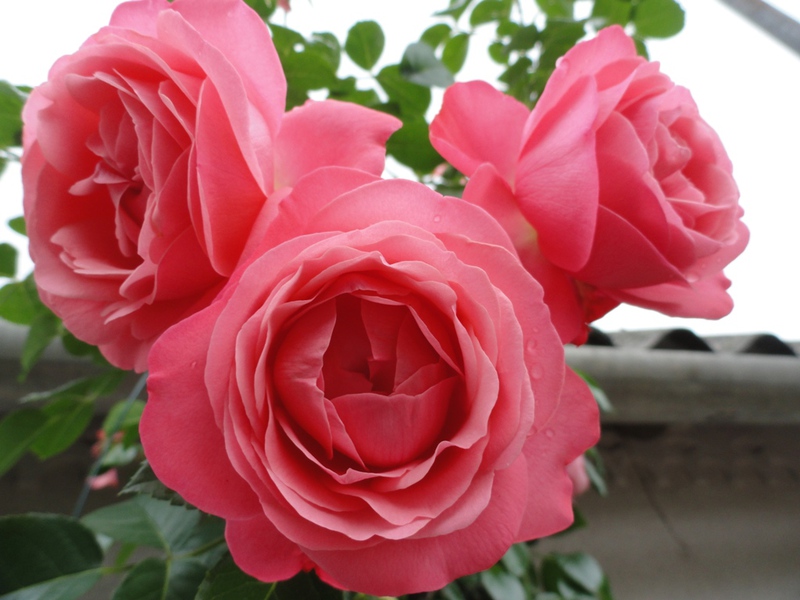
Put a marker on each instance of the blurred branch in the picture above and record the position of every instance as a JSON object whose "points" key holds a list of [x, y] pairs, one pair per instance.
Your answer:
{"points": [[779, 25]]}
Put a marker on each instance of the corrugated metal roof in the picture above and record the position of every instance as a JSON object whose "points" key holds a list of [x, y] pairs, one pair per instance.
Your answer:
{"points": [[684, 339], [676, 376]]}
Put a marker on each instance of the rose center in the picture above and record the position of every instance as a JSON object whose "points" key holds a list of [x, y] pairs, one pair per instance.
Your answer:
{"points": [[383, 393], [357, 359]]}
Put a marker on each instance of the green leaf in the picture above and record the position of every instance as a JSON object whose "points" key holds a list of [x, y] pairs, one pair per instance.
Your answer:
{"points": [[488, 11], [67, 420], [611, 12], [8, 260], [11, 102], [412, 99], [559, 9], [455, 9], [45, 327], [364, 43], [347, 91], [146, 581], [502, 585], [578, 522], [452, 592], [18, 224], [226, 581], [455, 51], [157, 579], [66, 587], [641, 48], [306, 586], [517, 559], [658, 18], [499, 53], [327, 46], [507, 28], [144, 481], [557, 38], [599, 395], [595, 470], [435, 35], [123, 415], [287, 41], [38, 548], [145, 521], [420, 65], [411, 146], [524, 38], [75, 346], [89, 388], [264, 8], [577, 572], [18, 431], [517, 71], [19, 302], [308, 71]]}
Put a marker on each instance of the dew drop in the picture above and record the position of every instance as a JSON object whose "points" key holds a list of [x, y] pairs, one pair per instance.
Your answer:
{"points": [[193, 365], [549, 433], [437, 218]]}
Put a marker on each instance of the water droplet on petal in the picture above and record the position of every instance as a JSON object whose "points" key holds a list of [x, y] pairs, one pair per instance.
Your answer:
{"points": [[549, 433], [193, 365], [437, 218]]}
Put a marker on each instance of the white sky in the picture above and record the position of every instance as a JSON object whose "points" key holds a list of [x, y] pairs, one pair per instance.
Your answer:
{"points": [[746, 85]]}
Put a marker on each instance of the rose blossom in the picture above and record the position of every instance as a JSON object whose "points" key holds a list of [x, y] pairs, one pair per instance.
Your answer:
{"points": [[613, 188], [149, 153], [381, 397]]}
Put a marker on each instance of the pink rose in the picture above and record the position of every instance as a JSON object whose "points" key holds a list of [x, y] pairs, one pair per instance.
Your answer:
{"points": [[613, 188], [149, 153], [381, 397]]}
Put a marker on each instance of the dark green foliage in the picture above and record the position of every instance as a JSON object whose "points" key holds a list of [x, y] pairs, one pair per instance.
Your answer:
{"points": [[37, 549], [11, 101], [364, 44]]}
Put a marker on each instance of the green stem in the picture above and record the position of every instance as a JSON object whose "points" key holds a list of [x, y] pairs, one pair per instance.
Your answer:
{"points": [[137, 389]]}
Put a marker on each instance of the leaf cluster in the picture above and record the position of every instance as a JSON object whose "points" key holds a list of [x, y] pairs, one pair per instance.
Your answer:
{"points": [[47, 423], [402, 88], [12, 98], [156, 548], [527, 48], [521, 575]]}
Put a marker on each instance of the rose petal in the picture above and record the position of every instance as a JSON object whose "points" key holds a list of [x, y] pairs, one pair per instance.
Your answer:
{"points": [[180, 436], [479, 124], [573, 427], [312, 135]]}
